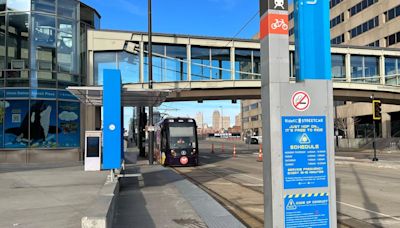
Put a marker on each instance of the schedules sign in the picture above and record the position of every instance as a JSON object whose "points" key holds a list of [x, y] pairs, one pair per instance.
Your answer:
{"points": [[305, 159]]}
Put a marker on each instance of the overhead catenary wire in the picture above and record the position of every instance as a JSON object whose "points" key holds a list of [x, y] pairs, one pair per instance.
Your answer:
{"points": [[243, 27]]}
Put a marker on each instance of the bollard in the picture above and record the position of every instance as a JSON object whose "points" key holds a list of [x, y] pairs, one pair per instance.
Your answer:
{"points": [[212, 148], [260, 154], [234, 151]]}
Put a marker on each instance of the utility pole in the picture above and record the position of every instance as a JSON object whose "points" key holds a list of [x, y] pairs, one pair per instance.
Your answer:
{"points": [[150, 57]]}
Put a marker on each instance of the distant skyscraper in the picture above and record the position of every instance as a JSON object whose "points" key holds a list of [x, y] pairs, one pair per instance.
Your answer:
{"points": [[226, 120], [216, 120], [238, 121], [199, 120]]}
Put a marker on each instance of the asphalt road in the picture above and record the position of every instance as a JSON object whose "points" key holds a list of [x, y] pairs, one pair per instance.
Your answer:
{"points": [[366, 192]]}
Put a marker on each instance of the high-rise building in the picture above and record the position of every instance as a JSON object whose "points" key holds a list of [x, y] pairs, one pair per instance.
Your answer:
{"points": [[200, 120], [216, 120], [238, 120], [373, 23], [226, 122]]}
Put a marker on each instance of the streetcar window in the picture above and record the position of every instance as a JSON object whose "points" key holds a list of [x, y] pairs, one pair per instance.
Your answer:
{"points": [[181, 137]]}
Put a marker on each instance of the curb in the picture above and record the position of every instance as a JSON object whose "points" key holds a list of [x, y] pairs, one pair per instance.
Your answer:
{"points": [[101, 213]]}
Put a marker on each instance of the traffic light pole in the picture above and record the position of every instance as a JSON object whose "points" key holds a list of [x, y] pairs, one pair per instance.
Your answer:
{"points": [[374, 142]]}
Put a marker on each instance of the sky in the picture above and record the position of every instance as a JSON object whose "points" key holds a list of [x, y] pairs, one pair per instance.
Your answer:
{"points": [[221, 18]]}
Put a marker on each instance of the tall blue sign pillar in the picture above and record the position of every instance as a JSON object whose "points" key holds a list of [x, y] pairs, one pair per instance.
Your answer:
{"points": [[299, 171], [112, 121]]}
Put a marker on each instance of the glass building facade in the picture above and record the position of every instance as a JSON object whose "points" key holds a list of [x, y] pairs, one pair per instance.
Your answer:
{"points": [[42, 51]]}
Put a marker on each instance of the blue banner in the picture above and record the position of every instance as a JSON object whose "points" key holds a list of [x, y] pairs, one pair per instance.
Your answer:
{"points": [[17, 93], [307, 210], [66, 95], [46, 94], [312, 32], [304, 152]]}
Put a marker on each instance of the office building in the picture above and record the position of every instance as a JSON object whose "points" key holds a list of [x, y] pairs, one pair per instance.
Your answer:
{"points": [[42, 51], [374, 23]]}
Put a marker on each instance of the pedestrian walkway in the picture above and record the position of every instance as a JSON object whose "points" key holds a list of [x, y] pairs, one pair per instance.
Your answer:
{"points": [[166, 200], [42, 196]]}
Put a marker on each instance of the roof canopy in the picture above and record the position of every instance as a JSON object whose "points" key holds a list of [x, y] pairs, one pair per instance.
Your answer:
{"points": [[93, 95]]}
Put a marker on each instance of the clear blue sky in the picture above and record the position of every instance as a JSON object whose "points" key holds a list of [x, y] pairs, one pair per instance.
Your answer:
{"points": [[195, 17]]}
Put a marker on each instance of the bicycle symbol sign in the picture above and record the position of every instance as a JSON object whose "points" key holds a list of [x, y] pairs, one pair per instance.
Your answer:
{"points": [[301, 101], [279, 23]]}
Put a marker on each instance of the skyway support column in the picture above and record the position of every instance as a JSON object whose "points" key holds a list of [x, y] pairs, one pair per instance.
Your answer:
{"points": [[299, 176]]}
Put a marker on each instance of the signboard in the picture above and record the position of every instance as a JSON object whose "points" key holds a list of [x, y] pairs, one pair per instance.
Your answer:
{"points": [[46, 94], [307, 210], [301, 101], [304, 152], [273, 5]]}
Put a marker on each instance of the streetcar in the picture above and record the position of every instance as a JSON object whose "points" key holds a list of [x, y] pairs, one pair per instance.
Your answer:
{"points": [[176, 142]]}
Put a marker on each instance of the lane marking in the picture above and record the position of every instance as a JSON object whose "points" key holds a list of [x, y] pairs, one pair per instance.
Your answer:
{"points": [[375, 212]]}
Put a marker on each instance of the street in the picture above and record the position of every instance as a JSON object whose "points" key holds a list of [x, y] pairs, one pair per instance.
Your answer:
{"points": [[367, 194]]}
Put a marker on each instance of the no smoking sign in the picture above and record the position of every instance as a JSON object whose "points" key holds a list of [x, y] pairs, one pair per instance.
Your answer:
{"points": [[301, 101]]}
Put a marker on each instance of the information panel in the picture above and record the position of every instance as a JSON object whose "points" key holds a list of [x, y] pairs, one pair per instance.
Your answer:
{"points": [[304, 152], [307, 210]]}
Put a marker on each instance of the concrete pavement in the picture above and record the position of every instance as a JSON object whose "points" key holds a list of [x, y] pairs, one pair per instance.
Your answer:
{"points": [[41, 196]]}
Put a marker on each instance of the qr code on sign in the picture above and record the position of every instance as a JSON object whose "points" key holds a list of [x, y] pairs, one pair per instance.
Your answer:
{"points": [[16, 118]]}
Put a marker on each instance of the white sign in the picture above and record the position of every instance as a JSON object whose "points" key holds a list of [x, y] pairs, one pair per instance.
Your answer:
{"points": [[301, 101], [111, 127]]}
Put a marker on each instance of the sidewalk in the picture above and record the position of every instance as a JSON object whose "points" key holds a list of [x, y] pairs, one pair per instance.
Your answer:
{"points": [[42, 195], [166, 200]]}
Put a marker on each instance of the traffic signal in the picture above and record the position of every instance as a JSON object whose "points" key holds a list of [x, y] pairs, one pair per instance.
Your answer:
{"points": [[376, 110]]}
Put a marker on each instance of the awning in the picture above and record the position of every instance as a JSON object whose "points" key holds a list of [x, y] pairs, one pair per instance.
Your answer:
{"points": [[93, 95]]}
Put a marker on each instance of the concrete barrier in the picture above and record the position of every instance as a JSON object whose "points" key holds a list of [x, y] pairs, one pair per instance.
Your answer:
{"points": [[101, 213]]}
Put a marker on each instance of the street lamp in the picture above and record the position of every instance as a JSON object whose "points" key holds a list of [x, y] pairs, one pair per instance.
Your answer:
{"points": [[222, 118], [150, 57]]}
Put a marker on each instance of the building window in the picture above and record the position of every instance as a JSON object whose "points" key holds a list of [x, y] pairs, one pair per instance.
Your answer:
{"points": [[392, 70], [333, 3], [169, 63], [338, 39], [392, 39], [253, 106], [338, 66], [337, 20], [200, 64], [361, 6], [221, 63], [365, 69], [247, 64], [245, 120], [374, 44], [246, 108], [374, 22], [392, 13], [254, 118]]}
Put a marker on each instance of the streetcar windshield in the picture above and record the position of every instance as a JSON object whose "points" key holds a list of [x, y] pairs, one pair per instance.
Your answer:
{"points": [[181, 137]]}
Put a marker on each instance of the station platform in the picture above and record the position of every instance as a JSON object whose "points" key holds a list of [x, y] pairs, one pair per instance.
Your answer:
{"points": [[165, 199]]}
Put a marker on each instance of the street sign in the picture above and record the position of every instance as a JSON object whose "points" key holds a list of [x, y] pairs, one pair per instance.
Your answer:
{"points": [[304, 152], [299, 171], [301, 101]]}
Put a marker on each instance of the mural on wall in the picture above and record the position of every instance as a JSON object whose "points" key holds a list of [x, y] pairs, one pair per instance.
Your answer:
{"points": [[16, 124], [37, 129], [43, 124], [69, 124]]}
